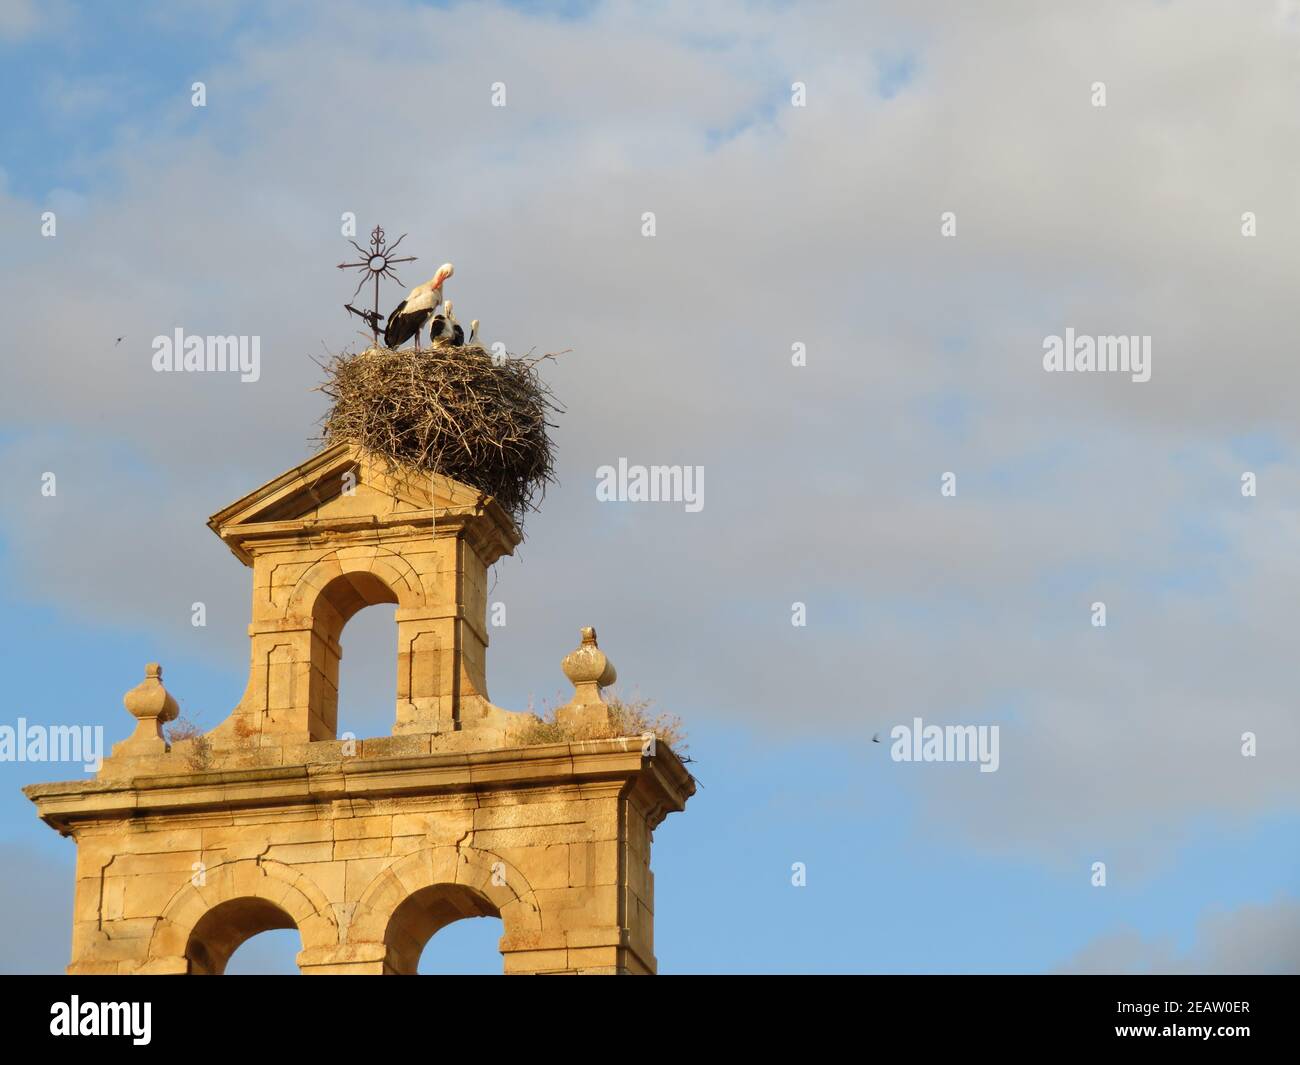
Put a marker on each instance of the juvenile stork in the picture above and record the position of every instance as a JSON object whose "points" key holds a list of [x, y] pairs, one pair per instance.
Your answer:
{"points": [[445, 329], [412, 313]]}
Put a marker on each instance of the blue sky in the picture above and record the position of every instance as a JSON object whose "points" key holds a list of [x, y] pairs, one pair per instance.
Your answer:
{"points": [[879, 897], [778, 224]]}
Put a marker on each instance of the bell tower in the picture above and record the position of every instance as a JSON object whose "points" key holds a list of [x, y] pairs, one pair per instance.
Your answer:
{"points": [[368, 847], [344, 531]]}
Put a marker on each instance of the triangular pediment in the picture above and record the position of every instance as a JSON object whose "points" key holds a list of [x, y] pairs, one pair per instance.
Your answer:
{"points": [[345, 482]]}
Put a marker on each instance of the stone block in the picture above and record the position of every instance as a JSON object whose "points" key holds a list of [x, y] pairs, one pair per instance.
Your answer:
{"points": [[295, 853], [360, 872], [361, 848], [380, 827]]}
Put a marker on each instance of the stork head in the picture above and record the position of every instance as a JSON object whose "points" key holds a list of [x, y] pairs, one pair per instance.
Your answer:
{"points": [[444, 271], [446, 309]]}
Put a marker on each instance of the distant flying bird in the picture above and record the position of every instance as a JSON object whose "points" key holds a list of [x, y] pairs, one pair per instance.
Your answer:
{"points": [[119, 340], [875, 738], [413, 312], [445, 329], [473, 332]]}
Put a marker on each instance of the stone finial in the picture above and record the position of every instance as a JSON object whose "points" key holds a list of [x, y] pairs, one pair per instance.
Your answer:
{"points": [[589, 670], [152, 706]]}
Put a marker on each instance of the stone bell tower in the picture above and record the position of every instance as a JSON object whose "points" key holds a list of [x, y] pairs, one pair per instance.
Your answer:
{"points": [[340, 533], [368, 847]]}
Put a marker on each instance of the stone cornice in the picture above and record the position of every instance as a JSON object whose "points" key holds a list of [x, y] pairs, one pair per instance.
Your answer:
{"points": [[287, 505], [662, 784], [490, 533]]}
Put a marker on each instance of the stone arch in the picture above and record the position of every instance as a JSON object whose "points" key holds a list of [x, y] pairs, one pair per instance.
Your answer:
{"points": [[406, 904], [202, 925], [226, 927], [324, 599], [366, 569]]}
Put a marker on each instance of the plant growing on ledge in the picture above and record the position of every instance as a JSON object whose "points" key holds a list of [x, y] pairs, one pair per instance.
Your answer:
{"points": [[627, 717], [195, 746]]}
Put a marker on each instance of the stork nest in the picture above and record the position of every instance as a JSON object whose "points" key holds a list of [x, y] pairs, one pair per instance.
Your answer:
{"points": [[448, 410]]}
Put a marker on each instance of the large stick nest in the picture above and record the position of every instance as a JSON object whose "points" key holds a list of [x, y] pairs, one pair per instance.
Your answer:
{"points": [[448, 410]]}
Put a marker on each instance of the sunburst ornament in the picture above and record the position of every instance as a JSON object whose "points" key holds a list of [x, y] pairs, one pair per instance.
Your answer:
{"points": [[376, 263]]}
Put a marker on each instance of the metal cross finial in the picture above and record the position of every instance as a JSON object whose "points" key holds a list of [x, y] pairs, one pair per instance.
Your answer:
{"points": [[375, 263]]}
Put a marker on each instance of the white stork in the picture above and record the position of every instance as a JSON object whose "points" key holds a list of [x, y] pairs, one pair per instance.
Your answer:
{"points": [[414, 311], [473, 334], [445, 329]]}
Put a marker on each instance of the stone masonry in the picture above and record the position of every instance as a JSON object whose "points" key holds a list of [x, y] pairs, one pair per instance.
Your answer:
{"points": [[367, 847]]}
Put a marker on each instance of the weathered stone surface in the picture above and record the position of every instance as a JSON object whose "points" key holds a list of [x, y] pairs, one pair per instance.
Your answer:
{"points": [[366, 846]]}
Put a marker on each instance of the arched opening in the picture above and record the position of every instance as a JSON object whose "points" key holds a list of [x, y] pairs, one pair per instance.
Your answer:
{"points": [[367, 684], [425, 912], [226, 927], [271, 953], [334, 607], [464, 948]]}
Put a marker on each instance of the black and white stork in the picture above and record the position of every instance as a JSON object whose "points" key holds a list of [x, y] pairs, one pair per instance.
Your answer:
{"points": [[445, 329], [473, 334], [413, 312]]}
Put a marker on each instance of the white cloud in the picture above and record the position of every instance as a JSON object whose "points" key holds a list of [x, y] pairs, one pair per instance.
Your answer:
{"points": [[818, 224], [19, 19], [1262, 939]]}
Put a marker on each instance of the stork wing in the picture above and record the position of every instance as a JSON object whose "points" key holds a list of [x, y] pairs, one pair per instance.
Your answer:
{"points": [[401, 327]]}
